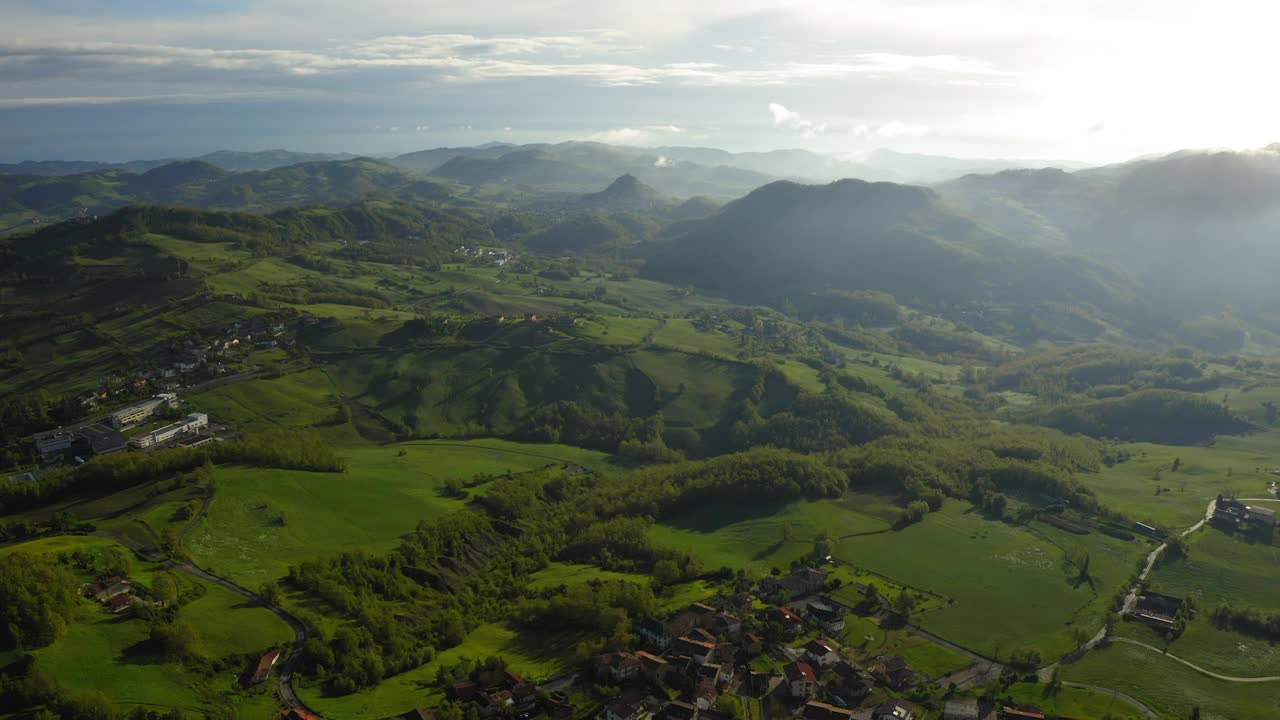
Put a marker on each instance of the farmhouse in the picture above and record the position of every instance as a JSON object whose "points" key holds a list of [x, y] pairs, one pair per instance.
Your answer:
{"points": [[120, 603], [1260, 515], [265, 664], [111, 587]]}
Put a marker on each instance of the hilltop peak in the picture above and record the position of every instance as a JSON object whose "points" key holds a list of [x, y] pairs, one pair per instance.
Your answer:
{"points": [[625, 193]]}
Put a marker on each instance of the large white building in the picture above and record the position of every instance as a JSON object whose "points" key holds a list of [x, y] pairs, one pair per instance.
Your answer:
{"points": [[190, 424], [143, 411]]}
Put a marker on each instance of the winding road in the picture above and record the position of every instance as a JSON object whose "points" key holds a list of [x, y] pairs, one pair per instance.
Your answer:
{"points": [[284, 679], [1197, 668]]}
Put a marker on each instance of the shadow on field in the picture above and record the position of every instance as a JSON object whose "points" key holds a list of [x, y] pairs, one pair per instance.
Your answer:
{"points": [[711, 519], [141, 653]]}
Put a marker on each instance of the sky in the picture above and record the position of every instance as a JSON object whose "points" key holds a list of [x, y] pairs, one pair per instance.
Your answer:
{"points": [[1081, 80]]}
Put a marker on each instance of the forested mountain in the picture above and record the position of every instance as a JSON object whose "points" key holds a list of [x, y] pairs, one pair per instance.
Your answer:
{"points": [[226, 159], [789, 241], [197, 183], [1196, 230]]}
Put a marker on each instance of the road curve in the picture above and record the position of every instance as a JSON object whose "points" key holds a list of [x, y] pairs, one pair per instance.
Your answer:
{"points": [[1116, 694], [1197, 668], [300, 634]]}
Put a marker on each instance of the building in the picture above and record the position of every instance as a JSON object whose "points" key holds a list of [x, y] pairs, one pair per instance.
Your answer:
{"points": [[802, 681], [654, 633], [190, 424], [297, 714], [1022, 712], [618, 666], [265, 664], [653, 667], [678, 710], [785, 618], [821, 652], [626, 709], [111, 587], [137, 414], [103, 440], [53, 441], [700, 651], [962, 709], [830, 619], [814, 710], [893, 672], [805, 581], [1260, 515], [120, 603], [895, 710]]}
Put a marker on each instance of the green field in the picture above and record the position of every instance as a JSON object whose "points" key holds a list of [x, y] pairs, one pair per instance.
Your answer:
{"points": [[921, 654], [1170, 688], [110, 653], [1222, 568], [1006, 583], [535, 658], [1234, 463], [1072, 702], [751, 537], [383, 494]]}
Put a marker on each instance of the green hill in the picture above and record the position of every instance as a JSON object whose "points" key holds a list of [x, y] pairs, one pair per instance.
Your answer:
{"points": [[787, 241]]}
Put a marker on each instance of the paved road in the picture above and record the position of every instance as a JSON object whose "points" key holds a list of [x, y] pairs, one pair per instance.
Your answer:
{"points": [[211, 384], [300, 634], [1116, 694], [1197, 668]]}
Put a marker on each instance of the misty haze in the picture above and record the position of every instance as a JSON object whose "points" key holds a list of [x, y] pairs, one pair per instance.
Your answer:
{"points": [[753, 360]]}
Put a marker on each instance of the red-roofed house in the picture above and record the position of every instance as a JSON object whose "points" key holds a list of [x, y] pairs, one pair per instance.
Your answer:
{"points": [[265, 663], [297, 714], [120, 603], [790, 622], [801, 679], [821, 651]]}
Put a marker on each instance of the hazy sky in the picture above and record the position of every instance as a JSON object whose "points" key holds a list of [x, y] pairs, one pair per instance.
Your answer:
{"points": [[1073, 79]]}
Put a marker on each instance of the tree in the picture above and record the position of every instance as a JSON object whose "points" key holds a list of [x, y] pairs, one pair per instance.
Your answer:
{"points": [[904, 604], [788, 532], [165, 588], [1177, 463], [823, 544]]}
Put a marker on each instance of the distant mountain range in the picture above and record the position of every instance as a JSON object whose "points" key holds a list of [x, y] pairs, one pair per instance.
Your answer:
{"points": [[226, 159]]}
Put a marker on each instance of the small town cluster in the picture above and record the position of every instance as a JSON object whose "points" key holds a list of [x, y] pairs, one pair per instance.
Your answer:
{"points": [[688, 662]]}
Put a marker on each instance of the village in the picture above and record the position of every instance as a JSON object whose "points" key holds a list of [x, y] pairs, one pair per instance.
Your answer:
{"points": [[718, 659]]}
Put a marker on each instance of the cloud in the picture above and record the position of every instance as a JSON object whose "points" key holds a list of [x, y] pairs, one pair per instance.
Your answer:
{"points": [[791, 120], [646, 135], [663, 161]]}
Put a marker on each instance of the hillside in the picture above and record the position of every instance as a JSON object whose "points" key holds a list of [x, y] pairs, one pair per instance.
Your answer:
{"points": [[786, 241], [1201, 225], [31, 200]]}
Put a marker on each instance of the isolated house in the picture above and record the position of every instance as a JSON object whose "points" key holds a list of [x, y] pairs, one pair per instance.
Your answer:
{"points": [[265, 664], [120, 603], [111, 587]]}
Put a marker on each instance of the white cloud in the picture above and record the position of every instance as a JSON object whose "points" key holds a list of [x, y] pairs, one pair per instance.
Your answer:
{"points": [[791, 120], [645, 135], [663, 161]]}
